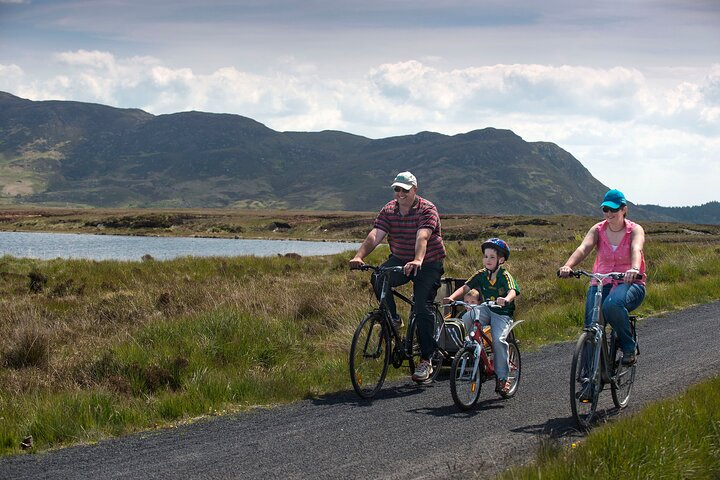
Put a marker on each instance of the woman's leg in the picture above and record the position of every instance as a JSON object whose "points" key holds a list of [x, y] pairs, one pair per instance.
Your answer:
{"points": [[622, 299]]}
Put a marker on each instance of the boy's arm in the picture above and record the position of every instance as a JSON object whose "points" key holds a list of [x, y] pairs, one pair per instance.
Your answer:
{"points": [[457, 293]]}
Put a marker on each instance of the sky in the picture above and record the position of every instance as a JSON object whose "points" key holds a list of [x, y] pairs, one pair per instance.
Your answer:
{"points": [[630, 88]]}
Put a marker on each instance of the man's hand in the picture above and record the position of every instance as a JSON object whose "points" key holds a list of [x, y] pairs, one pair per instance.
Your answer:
{"points": [[447, 300], [356, 262], [501, 301], [411, 268]]}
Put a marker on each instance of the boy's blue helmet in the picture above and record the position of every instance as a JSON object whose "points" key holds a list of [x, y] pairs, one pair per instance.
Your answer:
{"points": [[498, 245]]}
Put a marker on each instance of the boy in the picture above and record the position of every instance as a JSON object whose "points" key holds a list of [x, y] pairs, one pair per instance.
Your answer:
{"points": [[495, 283]]}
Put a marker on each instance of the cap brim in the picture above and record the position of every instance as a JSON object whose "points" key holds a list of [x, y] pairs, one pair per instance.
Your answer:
{"points": [[402, 185], [611, 204]]}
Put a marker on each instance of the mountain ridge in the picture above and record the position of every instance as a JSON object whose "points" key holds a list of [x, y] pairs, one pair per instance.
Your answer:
{"points": [[86, 154]]}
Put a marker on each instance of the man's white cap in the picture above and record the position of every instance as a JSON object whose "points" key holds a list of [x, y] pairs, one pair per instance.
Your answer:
{"points": [[405, 180]]}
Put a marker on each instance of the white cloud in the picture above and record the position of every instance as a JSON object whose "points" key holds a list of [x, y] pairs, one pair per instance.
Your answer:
{"points": [[631, 131]]}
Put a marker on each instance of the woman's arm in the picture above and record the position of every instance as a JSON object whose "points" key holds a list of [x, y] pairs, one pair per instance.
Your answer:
{"points": [[586, 246]]}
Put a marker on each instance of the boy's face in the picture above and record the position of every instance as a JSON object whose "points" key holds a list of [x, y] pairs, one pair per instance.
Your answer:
{"points": [[490, 259]]}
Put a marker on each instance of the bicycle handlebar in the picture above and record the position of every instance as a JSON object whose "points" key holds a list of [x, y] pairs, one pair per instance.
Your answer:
{"points": [[379, 269], [489, 303], [600, 276]]}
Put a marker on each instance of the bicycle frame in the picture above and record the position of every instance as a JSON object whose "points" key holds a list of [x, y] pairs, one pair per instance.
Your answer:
{"points": [[589, 375]]}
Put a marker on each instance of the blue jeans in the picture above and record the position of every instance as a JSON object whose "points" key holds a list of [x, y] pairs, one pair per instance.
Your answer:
{"points": [[425, 286], [499, 327], [617, 301]]}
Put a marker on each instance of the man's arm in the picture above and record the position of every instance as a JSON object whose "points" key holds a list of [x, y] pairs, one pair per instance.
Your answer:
{"points": [[421, 239], [371, 241]]}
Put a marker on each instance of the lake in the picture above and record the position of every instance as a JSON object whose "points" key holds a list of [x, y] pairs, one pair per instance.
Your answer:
{"points": [[119, 247]]}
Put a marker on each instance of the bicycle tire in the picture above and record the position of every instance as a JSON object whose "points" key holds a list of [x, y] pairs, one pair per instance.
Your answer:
{"points": [[369, 355], [623, 376], [464, 386], [515, 367], [584, 391], [412, 350], [436, 358]]}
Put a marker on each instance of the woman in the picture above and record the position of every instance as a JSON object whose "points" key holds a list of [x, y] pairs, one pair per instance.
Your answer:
{"points": [[619, 244]]}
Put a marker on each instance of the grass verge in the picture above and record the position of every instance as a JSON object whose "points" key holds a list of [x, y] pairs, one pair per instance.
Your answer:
{"points": [[674, 438]]}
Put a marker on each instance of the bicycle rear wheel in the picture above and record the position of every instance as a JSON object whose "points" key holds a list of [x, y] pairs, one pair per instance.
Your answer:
{"points": [[584, 381], [464, 385], [369, 355], [514, 361], [436, 358], [623, 375]]}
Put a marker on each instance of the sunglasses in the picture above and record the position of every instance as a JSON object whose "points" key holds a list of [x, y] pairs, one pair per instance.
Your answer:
{"points": [[400, 189], [608, 209]]}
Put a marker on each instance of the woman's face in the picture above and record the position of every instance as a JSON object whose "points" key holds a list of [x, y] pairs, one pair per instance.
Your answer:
{"points": [[615, 214]]}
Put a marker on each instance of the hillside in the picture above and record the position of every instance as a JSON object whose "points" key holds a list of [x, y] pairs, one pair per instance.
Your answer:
{"points": [[81, 154]]}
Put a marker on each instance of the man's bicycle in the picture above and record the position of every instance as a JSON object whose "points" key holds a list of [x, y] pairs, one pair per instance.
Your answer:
{"points": [[474, 363], [597, 361], [376, 343]]}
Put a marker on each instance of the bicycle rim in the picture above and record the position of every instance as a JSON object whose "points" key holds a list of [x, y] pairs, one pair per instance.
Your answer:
{"points": [[623, 377], [437, 358], [464, 386], [413, 349], [584, 388], [514, 363], [369, 356]]}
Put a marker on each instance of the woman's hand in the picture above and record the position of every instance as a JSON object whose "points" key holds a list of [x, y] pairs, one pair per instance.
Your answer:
{"points": [[564, 271], [630, 275]]}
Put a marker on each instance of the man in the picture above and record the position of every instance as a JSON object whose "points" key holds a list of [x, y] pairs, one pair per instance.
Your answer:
{"points": [[412, 225]]}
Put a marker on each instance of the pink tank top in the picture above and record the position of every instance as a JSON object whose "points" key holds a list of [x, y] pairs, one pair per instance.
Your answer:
{"points": [[618, 260]]}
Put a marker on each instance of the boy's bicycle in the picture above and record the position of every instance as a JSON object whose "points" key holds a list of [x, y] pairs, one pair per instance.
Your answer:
{"points": [[376, 343], [474, 364], [597, 361]]}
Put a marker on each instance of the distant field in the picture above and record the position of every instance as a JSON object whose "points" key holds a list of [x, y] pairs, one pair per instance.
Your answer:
{"points": [[523, 231]]}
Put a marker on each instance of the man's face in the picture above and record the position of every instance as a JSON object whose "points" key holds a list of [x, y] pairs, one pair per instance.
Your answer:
{"points": [[405, 197]]}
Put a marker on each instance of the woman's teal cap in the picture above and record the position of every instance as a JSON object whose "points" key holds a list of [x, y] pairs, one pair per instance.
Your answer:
{"points": [[614, 199]]}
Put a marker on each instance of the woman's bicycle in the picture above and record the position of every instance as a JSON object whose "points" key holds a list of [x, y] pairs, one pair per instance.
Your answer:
{"points": [[474, 363], [376, 343], [597, 361]]}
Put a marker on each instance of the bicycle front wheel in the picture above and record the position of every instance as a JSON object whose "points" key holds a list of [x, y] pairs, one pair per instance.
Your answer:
{"points": [[623, 375], [369, 355], [584, 381], [464, 385]]}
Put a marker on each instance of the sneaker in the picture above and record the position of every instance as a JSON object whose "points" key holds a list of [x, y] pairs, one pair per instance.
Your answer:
{"points": [[397, 323], [422, 371], [628, 359]]}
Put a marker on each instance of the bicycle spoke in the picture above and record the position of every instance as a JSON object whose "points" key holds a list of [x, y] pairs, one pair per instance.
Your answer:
{"points": [[465, 379], [369, 356], [584, 382]]}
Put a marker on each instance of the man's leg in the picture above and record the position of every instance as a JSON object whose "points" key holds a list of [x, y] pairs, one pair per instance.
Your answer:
{"points": [[396, 279], [425, 285]]}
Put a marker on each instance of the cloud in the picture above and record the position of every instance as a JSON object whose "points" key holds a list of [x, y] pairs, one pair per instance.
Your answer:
{"points": [[621, 124]]}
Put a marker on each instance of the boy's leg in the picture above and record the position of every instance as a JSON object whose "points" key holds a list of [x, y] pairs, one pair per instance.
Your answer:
{"points": [[499, 325]]}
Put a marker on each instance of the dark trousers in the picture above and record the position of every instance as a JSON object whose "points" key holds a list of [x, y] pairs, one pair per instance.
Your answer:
{"points": [[425, 286]]}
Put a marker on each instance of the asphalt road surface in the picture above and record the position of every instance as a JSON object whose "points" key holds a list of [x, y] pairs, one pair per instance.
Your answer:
{"points": [[406, 432]]}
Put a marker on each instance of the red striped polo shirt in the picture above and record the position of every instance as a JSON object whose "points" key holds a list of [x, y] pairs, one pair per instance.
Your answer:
{"points": [[402, 229]]}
